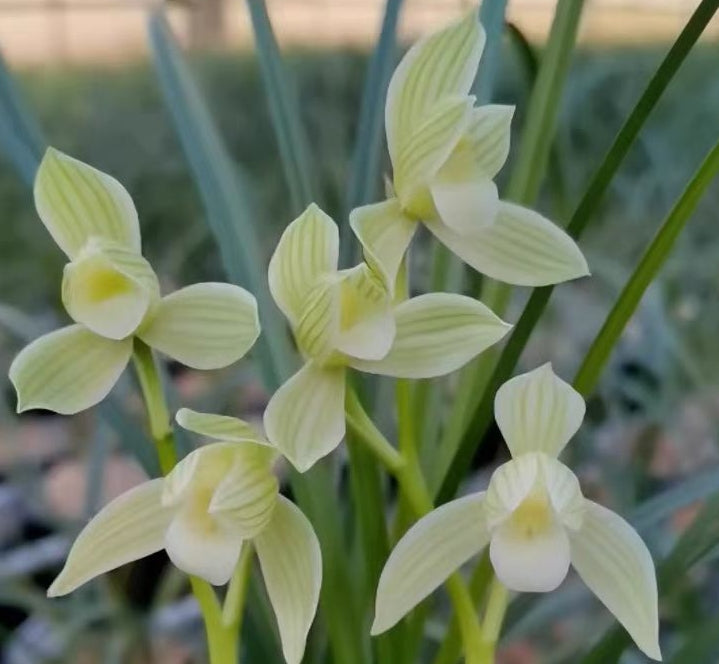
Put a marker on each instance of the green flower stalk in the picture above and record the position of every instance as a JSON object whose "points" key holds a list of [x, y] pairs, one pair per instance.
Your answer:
{"points": [[113, 295], [535, 520], [350, 318], [445, 153], [219, 499]]}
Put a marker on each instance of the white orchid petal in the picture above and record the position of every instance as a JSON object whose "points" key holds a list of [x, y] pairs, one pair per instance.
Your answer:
{"points": [[436, 333], [615, 563], [530, 564], [77, 202], [521, 247], [435, 547], [308, 248], [109, 289], [291, 563], [538, 412], [204, 326], [305, 417], [197, 544], [466, 206], [318, 324], [219, 427], [130, 527], [385, 232], [68, 370], [488, 137], [439, 65]]}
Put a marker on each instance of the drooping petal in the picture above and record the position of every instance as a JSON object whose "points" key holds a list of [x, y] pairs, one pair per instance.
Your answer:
{"points": [[466, 206], [488, 137], [535, 473], [439, 65], [305, 417], [130, 527], [385, 233], [109, 289], [77, 202], [205, 326], [291, 563], [615, 563], [199, 545], [68, 370], [436, 334], [425, 152], [247, 495], [308, 248], [367, 325], [521, 247], [219, 427], [435, 547], [533, 564], [538, 412]]}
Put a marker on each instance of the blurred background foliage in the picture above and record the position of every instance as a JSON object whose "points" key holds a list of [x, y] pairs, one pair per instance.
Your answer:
{"points": [[653, 425]]}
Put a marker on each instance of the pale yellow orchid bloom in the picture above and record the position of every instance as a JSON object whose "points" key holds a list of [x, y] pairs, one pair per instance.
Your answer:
{"points": [[217, 500], [535, 520], [113, 295], [445, 153], [349, 318]]}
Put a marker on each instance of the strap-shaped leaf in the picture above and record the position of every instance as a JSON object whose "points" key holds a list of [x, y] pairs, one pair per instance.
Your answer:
{"points": [[77, 202], [68, 370]]}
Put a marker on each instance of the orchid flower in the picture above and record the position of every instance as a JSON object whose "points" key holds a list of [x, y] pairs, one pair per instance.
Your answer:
{"points": [[534, 518], [349, 318], [218, 499], [445, 153], [113, 295]]}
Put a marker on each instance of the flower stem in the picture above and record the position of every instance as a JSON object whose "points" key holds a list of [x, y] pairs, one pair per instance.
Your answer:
{"points": [[493, 619], [222, 640]]}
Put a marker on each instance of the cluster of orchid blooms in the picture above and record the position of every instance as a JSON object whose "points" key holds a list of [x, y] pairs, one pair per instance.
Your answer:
{"points": [[445, 152]]}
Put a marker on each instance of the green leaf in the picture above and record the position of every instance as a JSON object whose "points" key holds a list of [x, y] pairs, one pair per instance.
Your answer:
{"points": [[284, 110], [481, 417], [225, 198], [700, 644]]}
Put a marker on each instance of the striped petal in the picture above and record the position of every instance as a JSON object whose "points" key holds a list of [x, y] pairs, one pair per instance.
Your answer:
{"points": [[130, 527], [488, 136], [77, 202], [435, 547], [291, 563], [109, 289], [318, 323], [205, 326], [538, 412], [385, 233], [521, 247], [219, 427], [68, 370], [439, 65], [305, 418], [426, 151], [308, 249], [614, 562], [436, 333]]}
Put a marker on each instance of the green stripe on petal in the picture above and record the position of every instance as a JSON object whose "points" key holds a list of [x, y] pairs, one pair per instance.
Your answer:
{"points": [[68, 370], [437, 333], [385, 233], [291, 563], [538, 412], [427, 150], [435, 547], [305, 418], [439, 65], [109, 289], [77, 202], [488, 137], [521, 247], [219, 427], [318, 323], [130, 527], [307, 250], [205, 326], [615, 563]]}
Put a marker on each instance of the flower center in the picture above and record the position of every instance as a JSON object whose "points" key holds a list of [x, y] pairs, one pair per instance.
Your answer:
{"points": [[104, 284]]}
